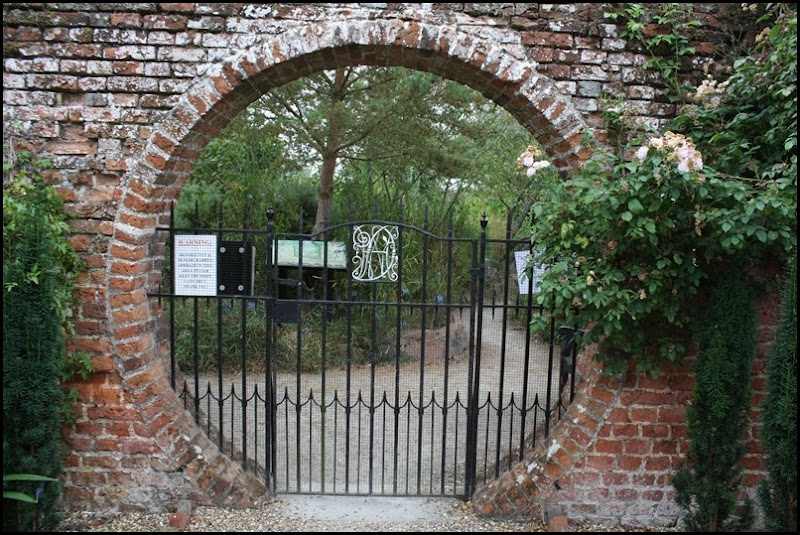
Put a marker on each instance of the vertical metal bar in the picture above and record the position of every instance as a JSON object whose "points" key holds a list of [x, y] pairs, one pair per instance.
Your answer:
{"points": [[323, 362], [269, 372], [489, 404], [220, 399], [359, 404], [548, 401], [336, 405], [446, 384], [423, 319], [456, 404], [243, 334], [232, 419], [172, 359], [526, 366], [536, 406], [512, 405], [506, 269], [286, 400], [472, 427], [298, 365], [255, 398], [349, 360], [385, 404], [196, 356], [373, 361], [310, 401], [469, 457], [196, 335], [208, 408], [398, 327], [373, 350], [433, 422], [409, 403]]}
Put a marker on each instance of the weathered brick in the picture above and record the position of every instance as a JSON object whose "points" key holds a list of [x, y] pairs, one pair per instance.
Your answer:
{"points": [[658, 463], [630, 463], [599, 462], [616, 479], [608, 446], [643, 415]]}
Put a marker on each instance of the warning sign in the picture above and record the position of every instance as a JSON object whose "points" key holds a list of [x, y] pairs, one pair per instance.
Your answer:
{"points": [[195, 265]]}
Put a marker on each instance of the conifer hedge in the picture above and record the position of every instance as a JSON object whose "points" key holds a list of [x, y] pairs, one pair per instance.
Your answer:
{"points": [[778, 494], [709, 482], [38, 275]]}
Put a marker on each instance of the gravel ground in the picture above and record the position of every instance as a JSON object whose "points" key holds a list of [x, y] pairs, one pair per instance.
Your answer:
{"points": [[314, 513]]}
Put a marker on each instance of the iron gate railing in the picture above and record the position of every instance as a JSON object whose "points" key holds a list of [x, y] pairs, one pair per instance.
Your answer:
{"points": [[372, 358]]}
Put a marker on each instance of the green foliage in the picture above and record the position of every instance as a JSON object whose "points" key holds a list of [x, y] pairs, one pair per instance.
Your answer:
{"points": [[25, 197], [668, 46], [779, 416], [707, 484], [244, 166], [628, 244], [39, 270], [410, 146], [747, 124], [77, 366], [405, 138], [632, 236], [32, 351]]}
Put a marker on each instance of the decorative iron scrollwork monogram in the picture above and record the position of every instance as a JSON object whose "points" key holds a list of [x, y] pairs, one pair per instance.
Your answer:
{"points": [[375, 251]]}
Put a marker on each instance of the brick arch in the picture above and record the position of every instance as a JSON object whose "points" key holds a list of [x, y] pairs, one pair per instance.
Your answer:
{"points": [[501, 73]]}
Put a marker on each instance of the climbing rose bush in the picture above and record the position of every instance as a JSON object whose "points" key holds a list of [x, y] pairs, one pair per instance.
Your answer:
{"points": [[531, 160], [629, 239], [676, 148]]}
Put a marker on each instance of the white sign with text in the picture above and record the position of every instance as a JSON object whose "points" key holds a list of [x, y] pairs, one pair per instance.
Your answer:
{"points": [[195, 264], [524, 272]]}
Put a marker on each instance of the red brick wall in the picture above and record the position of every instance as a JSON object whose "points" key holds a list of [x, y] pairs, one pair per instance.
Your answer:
{"points": [[612, 457], [123, 97]]}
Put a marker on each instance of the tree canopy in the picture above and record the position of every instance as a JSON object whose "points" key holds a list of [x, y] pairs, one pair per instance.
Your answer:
{"points": [[391, 136]]}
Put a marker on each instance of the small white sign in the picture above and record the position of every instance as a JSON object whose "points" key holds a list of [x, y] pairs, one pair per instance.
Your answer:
{"points": [[195, 264], [522, 260]]}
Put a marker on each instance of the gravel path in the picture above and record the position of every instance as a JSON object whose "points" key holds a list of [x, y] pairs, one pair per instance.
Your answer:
{"points": [[309, 513]]}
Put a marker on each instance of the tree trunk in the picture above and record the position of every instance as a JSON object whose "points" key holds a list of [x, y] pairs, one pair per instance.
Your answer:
{"points": [[329, 157], [325, 200]]}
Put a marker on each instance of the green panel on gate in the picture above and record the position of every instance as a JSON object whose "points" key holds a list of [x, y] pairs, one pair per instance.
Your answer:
{"points": [[287, 254]]}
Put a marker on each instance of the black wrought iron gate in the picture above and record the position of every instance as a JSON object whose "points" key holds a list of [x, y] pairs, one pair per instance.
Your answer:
{"points": [[372, 358]]}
